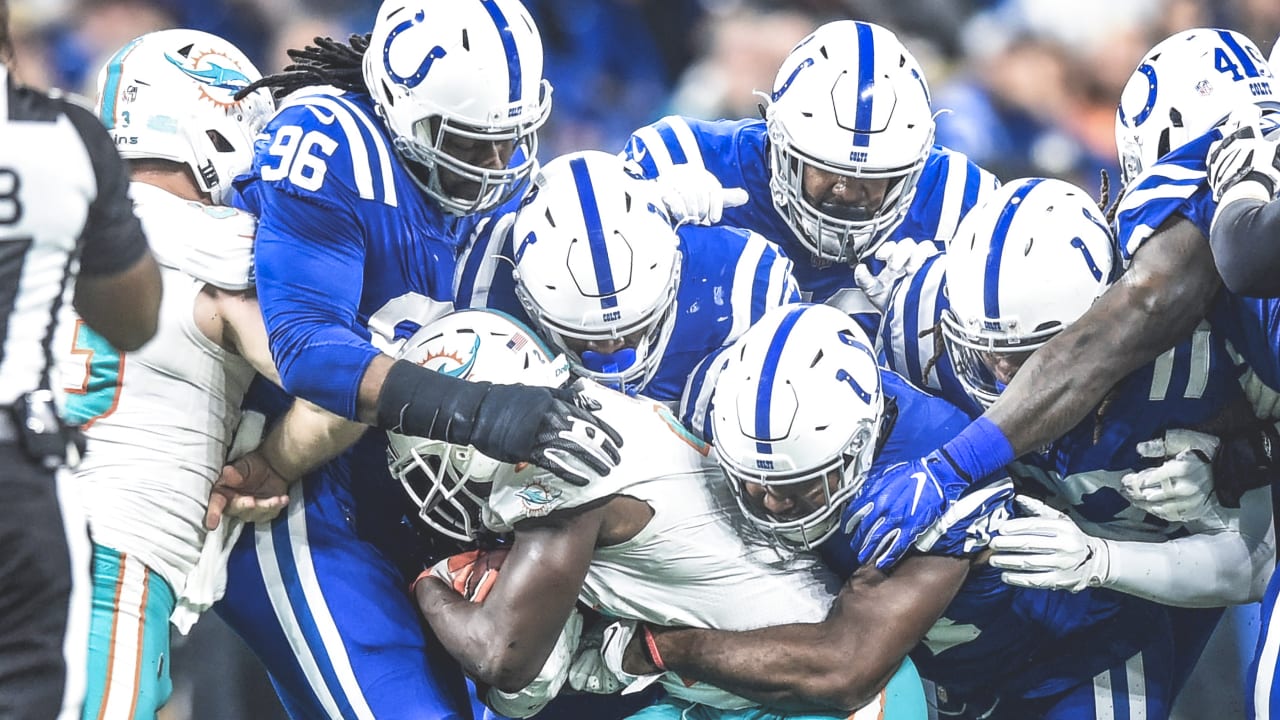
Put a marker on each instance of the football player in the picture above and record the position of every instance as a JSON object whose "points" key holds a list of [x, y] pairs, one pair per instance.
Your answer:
{"points": [[842, 163], [592, 260], [365, 182]]}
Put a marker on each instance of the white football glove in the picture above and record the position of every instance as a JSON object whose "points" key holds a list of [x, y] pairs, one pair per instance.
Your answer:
{"points": [[1181, 488], [1243, 155], [597, 667], [1048, 550], [694, 195], [544, 688], [1264, 400], [901, 258]]}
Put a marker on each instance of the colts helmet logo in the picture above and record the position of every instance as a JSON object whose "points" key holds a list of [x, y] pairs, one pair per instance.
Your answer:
{"points": [[219, 77]]}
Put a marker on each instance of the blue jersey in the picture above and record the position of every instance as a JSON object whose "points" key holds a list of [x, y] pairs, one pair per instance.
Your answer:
{"points": [[728, 278], [1187, 385], [351, 257], [1178, 185], [737, 153]]}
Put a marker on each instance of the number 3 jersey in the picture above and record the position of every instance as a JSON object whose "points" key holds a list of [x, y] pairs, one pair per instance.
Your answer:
{"points": [[697, 562], [159, 420]]}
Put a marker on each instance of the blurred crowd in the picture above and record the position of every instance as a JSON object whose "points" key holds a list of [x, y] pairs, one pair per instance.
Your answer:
{"points": [[1025, 87]]}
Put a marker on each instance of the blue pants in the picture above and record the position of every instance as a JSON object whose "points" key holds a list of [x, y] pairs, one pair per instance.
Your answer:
{"points": [[1261, 692], [330, 616]]}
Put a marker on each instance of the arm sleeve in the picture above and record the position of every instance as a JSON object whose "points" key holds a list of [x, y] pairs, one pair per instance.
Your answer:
{"points": [[1205, 569], [309, 264], [112, 240], [1245, 237]]}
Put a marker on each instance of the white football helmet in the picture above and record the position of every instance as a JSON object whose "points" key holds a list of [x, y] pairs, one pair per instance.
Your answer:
{"points": [[170, 95], [454, 81], [597, 261], [798, 399], [1185, 86], [450, 483], [1022, 266], [850, 100]]}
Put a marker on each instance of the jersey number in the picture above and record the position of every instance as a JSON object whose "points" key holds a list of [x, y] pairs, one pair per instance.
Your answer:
{"points": [[298, 159], [10, 203], [400, 317], [99, 390]]}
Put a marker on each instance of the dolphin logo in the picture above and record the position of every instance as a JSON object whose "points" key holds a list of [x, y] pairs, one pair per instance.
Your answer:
{"points": [[462, 370], [223, 78]]}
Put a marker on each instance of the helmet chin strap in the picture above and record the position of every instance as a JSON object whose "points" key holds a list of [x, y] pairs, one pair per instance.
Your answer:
{"points": [[611, 363]]}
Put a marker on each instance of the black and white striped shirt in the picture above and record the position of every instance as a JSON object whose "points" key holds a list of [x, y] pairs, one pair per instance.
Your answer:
{"points": [[64, 209]]}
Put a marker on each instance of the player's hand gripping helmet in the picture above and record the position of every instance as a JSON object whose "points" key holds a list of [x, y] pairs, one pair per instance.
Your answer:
{"points": [[851, 101], [1185, 86], [450, 483], [1022, 267], [170, 95], [460, 87], [796, 415], [597, 267]]}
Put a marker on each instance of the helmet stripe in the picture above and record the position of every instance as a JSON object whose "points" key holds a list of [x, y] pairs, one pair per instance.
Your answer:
{"points": [[990, 295], [115, 68], [866, 79], [595, 233], [1246, 62], [508, 45], [764, 394]]}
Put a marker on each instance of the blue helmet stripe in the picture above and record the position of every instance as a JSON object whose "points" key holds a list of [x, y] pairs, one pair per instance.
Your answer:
{"points": [[509, 46], [1246, 62], [595, 233], [668, 135], [991, 291], [764, 393], [115, 68], [866, 79]]}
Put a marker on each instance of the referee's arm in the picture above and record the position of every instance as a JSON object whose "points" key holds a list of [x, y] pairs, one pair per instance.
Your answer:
{"points": [[118, 288]]}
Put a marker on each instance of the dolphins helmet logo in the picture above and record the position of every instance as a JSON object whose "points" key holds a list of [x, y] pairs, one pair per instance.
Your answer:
{"points": [[218, 76], [447, 362]]}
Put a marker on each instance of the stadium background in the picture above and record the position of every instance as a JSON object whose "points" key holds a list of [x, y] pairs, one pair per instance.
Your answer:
{"points": [[1031, 85]]}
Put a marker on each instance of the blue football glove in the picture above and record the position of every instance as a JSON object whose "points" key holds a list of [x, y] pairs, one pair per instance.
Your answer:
{"points": [[970, 523], [893, 508]]}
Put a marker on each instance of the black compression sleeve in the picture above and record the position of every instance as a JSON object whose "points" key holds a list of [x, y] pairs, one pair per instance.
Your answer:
{"points": [[1246, 247], [424, 403]]}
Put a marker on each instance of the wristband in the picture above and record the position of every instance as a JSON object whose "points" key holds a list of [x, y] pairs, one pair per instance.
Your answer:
{"points": [[652, 646], [980, 450], [424, 403]]}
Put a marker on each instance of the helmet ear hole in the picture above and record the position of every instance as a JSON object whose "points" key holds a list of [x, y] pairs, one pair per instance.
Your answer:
{"points": [[220, 142]]}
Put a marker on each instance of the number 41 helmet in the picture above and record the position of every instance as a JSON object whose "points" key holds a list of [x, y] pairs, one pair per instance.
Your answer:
{"points": [[1022, 267], [448, 483], [1185, 85], [798, 403], [170, 95]]}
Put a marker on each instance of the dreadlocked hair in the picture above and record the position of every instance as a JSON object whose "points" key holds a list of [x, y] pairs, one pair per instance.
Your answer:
{"points": [[328, 62], [939, 347], [1105, 205]]}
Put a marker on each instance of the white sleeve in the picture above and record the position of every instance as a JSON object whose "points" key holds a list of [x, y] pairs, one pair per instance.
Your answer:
{"points": [[1205, 569]]}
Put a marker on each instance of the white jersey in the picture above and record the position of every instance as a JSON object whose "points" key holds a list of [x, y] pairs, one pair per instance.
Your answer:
{"points": [[698, 562], [159, 420]]}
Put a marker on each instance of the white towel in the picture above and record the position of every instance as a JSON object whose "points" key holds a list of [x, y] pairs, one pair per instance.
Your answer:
{"points": [[207, 581]]}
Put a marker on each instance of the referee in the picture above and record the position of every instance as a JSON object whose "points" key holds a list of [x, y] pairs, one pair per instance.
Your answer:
{"points": [[63, 208]]}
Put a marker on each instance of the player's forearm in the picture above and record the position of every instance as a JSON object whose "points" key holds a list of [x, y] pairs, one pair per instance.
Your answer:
{"points": [[1245, 237], [1202, 570], [839, 663], [307, 437], [467, 633], [1157, 302]]}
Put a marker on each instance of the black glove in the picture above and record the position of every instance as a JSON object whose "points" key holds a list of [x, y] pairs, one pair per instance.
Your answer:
{"points": [[1246, 461], [551, 427]]}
